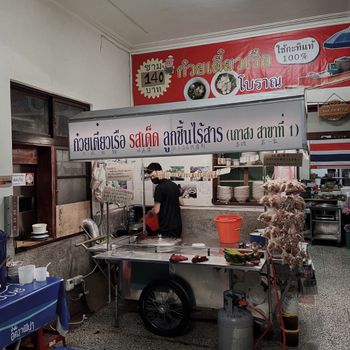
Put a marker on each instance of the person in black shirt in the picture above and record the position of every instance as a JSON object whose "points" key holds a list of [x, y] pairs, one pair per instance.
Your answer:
{"points": [[167, 201]]}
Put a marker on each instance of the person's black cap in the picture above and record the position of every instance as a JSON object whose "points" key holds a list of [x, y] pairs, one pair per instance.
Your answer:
{"points": [[153, 167]]}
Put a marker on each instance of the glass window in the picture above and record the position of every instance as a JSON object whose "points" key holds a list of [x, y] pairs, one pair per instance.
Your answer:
{"points": [[62, 112], [72, 180], [71, 190], [30, 113], [68, 168]]}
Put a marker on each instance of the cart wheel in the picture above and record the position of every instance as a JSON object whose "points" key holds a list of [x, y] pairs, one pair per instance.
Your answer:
{"points": [[165, 308]]}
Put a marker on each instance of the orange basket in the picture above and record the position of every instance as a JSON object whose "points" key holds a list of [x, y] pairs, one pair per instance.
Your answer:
{"points": [[228, 227]]}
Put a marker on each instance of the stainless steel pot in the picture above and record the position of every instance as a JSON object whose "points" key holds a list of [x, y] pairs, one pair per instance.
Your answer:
{"points": [[135, 228], [158, 244]]}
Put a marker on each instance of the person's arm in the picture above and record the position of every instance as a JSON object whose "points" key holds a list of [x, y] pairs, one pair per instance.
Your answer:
{"points": [[155, 210], [181, 195]]}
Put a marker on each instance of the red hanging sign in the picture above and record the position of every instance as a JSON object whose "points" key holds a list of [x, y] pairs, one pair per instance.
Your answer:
{"points": [[301, 58]]}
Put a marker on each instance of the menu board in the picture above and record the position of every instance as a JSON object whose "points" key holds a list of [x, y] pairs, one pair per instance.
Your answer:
{"points": [[283, 159]]}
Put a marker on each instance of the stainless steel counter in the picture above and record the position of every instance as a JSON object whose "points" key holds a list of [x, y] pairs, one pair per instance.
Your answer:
{"points": [[148, 254], [139, 264]]}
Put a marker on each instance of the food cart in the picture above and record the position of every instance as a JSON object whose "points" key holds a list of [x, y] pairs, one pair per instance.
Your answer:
{"points": [[167, 291]]}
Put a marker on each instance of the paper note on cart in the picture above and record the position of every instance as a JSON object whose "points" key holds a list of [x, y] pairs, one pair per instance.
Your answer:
{"points": [[117, 196]]}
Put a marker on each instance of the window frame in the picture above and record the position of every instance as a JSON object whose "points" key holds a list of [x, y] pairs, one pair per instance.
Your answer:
{"points": [[33, 139], [51, 143], [87, 175]]}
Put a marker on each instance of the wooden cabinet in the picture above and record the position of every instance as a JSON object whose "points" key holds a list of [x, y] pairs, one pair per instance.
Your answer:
{"points": [[62, 213]]}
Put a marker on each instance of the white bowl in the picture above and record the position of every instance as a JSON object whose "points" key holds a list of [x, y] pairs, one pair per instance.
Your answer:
{"points": [[345, 189], [196, 88], [258, 189], [224, 84], [242, 190], [39, 228], [241, 199], [257, 197], [263, 153]]}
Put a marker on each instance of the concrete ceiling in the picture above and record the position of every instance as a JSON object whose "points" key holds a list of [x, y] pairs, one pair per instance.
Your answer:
{"points": [[140, 24]]}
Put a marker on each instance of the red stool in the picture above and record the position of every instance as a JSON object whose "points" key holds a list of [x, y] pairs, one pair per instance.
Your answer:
{"points": [[45, 339]]}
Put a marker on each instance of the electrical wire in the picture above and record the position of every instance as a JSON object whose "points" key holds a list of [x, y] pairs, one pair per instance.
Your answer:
{"points": [[278, 302], [91, 272], [267, 328], [79, 322], [80, 295]]}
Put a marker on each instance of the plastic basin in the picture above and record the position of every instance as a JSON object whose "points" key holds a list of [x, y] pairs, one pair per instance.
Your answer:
{"points": [[228, 227]]}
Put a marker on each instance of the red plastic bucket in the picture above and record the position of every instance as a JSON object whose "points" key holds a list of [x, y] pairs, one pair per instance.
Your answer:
{"points": [[152, 222], [228, 227]]}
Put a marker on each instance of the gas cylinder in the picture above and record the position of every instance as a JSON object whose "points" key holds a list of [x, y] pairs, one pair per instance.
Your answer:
{"points": [[235, 323]]}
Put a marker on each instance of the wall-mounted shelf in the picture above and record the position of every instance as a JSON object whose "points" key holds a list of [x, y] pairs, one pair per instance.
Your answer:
{"points": [[250, 203], [239, 166], [240, 175], [223, 181]]}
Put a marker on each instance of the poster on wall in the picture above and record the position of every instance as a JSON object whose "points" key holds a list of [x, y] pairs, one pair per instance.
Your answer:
{"points": [[189, 173], [315, 57], [23, 179]]}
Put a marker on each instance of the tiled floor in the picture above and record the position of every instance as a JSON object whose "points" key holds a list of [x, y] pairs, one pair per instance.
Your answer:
{"points": [[324, 325]]}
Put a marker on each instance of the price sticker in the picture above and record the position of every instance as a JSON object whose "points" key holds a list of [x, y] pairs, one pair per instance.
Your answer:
{"points": [[152, 78]]}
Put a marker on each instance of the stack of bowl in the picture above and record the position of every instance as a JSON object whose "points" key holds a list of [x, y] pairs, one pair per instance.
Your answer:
{"points": [[241, 193], [258, 190], [224, 193], [249, 157], [39, 231], [262, 154]]}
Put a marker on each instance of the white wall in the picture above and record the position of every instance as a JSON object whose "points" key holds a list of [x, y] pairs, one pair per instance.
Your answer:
{"points": [[45, 47]]}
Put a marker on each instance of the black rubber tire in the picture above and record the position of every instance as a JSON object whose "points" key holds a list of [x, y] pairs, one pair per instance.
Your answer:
{"points": [[165, 307]]}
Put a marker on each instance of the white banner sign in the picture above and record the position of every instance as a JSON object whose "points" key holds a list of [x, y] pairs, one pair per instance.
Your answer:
{"points": [[118, 172], [23, 179], [117, 196], [271, 125]]}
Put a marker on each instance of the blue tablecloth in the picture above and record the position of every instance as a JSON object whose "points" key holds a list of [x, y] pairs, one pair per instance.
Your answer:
{"points": [[26, 308]]}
